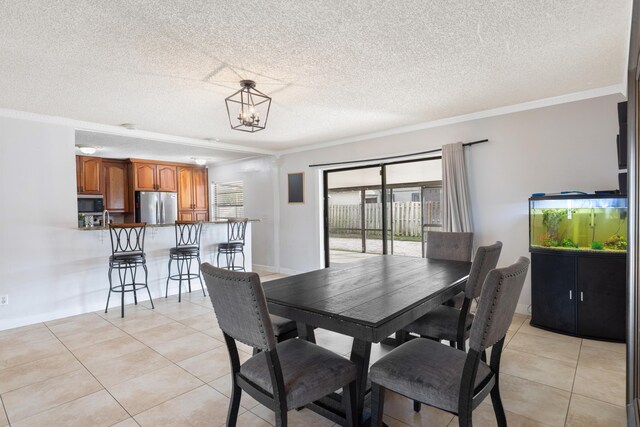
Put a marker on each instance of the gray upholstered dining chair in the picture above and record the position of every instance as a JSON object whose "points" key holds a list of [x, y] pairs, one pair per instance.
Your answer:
{"points": [[453, 324], [282, 376], [447, 378], [449, 245]]}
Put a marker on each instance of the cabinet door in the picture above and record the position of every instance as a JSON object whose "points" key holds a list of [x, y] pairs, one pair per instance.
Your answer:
{"points": [[144, 176], [201, 215], [115, 186], [78, 175], [185, 188], [602, 297], [553, 292], [90, 170], [166, 178], [200, 190], [185, 215]]}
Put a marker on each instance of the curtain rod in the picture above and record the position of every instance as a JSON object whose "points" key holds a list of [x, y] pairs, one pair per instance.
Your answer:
{"points": [[435, 150]]}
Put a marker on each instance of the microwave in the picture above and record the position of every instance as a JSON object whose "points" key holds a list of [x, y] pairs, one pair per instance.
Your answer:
{"points": [[89, 204]]}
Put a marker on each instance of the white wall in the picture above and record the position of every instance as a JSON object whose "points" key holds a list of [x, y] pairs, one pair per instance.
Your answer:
{"points": [[563, 147], [48, 267], [259, 176]]}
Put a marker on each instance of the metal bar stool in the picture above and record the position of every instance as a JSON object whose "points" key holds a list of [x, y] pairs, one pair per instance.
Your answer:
{"points": [[236, 228], [127, 254], [186, 250]]}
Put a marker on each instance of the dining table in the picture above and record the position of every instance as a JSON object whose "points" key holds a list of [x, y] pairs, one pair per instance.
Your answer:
{"points": [[368, 300]]}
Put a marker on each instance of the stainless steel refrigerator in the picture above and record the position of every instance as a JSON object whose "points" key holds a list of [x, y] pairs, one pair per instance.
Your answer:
{"points": [[154, 207]]}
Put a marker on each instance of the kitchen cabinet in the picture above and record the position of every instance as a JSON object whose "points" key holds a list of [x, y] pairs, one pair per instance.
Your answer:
{"points": [[88, 175], [579, 294], [193, 200], [154, 177], [116, 186]]}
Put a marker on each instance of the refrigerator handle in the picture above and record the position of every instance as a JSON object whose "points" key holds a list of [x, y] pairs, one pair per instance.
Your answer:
{"points": [[157, 211], [161, 212]]}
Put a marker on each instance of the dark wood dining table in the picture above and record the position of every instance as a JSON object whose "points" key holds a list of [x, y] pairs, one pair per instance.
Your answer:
{"points": [[368, 300]]}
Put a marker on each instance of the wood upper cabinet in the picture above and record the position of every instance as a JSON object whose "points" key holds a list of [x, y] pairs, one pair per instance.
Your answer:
{"points": [[166, 178], [88, 174], [193, 195], [116, 186], [154, 177]]}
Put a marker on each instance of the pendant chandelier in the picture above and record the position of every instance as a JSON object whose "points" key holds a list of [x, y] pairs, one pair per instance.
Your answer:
{"points": [[248, 108]]}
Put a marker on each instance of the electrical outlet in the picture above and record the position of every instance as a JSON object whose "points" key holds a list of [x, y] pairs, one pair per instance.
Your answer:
{"points": [[4, 299]]}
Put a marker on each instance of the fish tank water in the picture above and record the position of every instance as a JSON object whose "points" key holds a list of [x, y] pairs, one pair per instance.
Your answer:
{"points": [[590, 223]]}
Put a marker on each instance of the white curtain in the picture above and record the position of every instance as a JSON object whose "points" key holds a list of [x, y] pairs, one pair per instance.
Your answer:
{"points": [[456, 207]]}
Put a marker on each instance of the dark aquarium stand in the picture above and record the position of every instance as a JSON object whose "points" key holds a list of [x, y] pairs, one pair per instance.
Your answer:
{"points": [[579, 291]]}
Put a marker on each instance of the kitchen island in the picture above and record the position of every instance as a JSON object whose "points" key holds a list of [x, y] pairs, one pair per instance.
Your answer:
{"points": [[78, 275]]}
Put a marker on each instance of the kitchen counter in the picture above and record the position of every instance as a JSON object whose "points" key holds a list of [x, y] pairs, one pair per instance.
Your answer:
{"points": [[217, 221]]}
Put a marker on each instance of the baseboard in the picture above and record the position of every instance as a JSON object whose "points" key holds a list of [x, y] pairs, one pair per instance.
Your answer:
{"points": [[289, 271]]}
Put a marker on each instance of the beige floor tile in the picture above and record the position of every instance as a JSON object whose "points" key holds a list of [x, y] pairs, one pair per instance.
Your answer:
{"points": [[25, 351], [598, 358], [29, 336], [89, 337], [517, 321], [199, 407], [181, 311], [146, 391], [81, 324], [304, 417], [604, 345], [541, 369], [392, 422], [607, 386], [249, 419], [85, 317], [211, 365], [161, 334], [554, 348], [526, 398], [201, 322], [35, 398], [484, 416], [3, 416], [97, 354], [187, 346], [214, 332], [532, 330], [128, 366], [39, 370], [401, 408], [144, 320], [96, 410], [22, 329], [129, 422], [223, 385], [585, 412]]}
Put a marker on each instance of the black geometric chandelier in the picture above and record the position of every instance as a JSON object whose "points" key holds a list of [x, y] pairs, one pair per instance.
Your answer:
{"points": [[248, 108]]}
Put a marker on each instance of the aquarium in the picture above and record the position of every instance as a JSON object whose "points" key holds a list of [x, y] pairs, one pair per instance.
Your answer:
{"points": [[578, 223]]}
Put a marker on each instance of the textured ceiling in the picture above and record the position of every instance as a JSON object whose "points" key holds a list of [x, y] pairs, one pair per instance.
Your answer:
{"points": [[334, 68]]}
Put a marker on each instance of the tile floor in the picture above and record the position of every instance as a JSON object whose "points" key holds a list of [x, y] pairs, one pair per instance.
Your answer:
{"points": [[168, 367]]}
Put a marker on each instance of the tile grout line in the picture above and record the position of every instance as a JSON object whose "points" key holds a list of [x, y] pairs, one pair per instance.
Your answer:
{"points": [[4, 410], [573, 384]]}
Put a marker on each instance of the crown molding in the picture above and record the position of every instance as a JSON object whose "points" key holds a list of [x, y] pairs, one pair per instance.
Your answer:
{"points": [[531, 105], [132, 133]]}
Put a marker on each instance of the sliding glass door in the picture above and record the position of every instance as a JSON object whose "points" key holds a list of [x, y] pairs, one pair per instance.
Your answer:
{"points": [[386, 209]]}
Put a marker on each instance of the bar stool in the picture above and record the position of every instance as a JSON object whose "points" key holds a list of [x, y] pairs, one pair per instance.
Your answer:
{"points": [[127, 254], [186, 250], [236, 228]]}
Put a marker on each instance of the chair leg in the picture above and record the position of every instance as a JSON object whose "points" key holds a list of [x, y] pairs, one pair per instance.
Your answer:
{"points": [[497, 405], [122, 282], [166, 291], [242, 252], [146, 283], [134, 274], [180, 266], [200, 276], [281, 418], [188, 261], [218, 260], [110, 287], [377, 404], [349, 400], [234, 403], [417, 406]]}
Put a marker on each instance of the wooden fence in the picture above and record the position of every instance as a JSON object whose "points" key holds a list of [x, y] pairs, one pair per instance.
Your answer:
{"points": [[407, 218]]}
